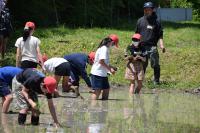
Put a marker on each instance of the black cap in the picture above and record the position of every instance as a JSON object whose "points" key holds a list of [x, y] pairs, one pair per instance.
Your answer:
{"points": [[148, 5]]}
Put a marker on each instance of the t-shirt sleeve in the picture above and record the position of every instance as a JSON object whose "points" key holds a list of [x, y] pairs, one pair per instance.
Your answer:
{"points": [[46, 66], [17, 43], [103, 53], [38, 42]]}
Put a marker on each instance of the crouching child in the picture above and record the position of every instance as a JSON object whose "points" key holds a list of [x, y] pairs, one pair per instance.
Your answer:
{"points": [[7, 73], [27, 85]]}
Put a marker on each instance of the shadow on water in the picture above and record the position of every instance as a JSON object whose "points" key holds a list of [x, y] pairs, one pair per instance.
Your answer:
{"points": [[113, 99]]}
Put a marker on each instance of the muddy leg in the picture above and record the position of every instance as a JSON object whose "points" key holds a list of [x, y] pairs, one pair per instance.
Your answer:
{"points": [[6, 103], [132, 87], [139, 87], [105, 94], [35, 117], [95, 94], [56, 93], [22, 116], [65, 84]]}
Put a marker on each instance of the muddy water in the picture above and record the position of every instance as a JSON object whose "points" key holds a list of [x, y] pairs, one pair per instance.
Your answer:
{"points": [[157, 112]]}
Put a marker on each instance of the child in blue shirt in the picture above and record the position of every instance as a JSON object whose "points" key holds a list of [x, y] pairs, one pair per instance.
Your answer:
{"points": [[6, 75]]}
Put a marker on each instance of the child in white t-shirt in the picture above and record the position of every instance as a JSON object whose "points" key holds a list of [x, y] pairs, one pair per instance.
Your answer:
{"points": [[60, 67], [28, 51], [101, 68]]}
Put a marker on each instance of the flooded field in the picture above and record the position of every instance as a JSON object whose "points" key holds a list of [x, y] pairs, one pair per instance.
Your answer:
{"points": [[157, 112]]}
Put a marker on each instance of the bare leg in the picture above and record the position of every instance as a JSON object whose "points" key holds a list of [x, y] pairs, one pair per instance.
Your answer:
{"points": [[65, 85], [3, 99], [105, 94], [6, 103], [22, 116], [57, 79], [95, 94], [132, 87], [56, 93], [35, 117], [24, 111], [139, 87]]}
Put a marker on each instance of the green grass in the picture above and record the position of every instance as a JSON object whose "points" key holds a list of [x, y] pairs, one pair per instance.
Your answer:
{"points": [[179, 65]]}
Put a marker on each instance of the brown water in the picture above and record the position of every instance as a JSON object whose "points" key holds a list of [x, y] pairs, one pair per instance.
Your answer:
{"points": [[157, 112]]}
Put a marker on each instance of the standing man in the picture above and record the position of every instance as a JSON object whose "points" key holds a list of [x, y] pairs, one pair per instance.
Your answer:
{"points": [[151, 30]]}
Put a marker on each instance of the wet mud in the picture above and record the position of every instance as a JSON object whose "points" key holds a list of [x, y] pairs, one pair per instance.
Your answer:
{"points": [[152, 111]]}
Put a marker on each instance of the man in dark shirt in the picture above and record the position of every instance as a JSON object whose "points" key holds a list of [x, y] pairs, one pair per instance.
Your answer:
{"points": [[151, 30], [78, 63], [27, 85]]}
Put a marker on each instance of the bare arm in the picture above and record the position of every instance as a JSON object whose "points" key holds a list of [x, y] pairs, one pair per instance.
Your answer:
{"points": [[39, 55], [162, 45], [53, 112], [110, 69], [26, 96], [141, 58], [128, 58], [18, 57]]}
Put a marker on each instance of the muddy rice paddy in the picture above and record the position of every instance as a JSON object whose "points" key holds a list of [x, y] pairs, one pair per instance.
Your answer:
{"points": [[151, 112]]}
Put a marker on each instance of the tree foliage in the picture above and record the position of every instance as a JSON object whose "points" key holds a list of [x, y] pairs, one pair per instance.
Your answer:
{"points": [[195, 4], [85, 12]]}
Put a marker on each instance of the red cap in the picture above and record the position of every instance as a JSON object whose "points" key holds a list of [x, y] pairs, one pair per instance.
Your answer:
{"points": [[29, 25], [136, 36], [44, 57], [50, 84], [114, 38], [91, 56]]}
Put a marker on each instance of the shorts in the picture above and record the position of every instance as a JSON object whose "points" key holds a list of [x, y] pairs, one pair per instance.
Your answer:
{"points": [[20, 101], [4, 89], [134, 71], [63, 69], [99, 82], [28, 64]]}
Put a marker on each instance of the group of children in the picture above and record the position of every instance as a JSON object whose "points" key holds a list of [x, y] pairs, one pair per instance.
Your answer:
{"points": [[26, 81]]}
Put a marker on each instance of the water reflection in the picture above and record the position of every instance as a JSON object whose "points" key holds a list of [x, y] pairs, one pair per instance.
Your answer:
{"points": [[146, 113], [6, 127], [97, 116]]}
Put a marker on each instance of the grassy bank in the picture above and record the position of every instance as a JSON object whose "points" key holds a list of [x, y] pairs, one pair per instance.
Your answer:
{"points": [[179, 65]]}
